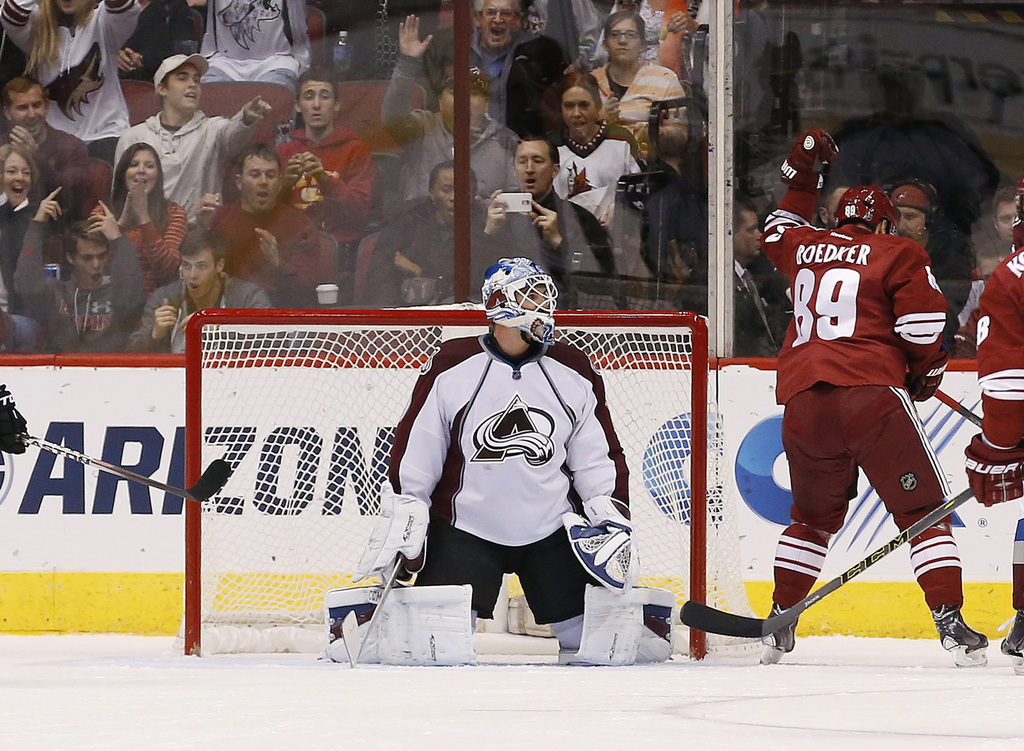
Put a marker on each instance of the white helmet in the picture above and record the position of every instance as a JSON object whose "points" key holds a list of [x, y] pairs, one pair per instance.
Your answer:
{"points": [[519, 294]]}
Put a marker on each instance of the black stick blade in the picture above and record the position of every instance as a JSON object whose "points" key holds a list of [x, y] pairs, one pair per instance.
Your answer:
{"points": [[212, 480], [703, 618]]}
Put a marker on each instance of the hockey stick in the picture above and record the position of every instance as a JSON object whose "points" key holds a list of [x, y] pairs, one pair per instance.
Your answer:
{"points": [[957, 407], [348, 637], [705, 618], [208, 485]]}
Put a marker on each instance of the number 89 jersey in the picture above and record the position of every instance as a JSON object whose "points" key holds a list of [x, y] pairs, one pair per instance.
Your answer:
{"points": [[865, 306]]}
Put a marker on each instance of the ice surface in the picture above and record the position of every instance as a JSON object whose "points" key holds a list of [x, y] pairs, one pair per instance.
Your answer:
{"points": [[831, 694]]}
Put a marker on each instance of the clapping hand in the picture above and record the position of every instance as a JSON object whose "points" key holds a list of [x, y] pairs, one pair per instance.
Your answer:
{"points": [[268, 244], [207, 207]]}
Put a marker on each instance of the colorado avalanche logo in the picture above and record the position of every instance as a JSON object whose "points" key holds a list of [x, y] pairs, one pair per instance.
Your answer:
{"points": [[518, 430], [243, 18]]}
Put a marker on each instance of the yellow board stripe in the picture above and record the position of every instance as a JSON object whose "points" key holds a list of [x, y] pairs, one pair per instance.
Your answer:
{"points": [[56, 602]]}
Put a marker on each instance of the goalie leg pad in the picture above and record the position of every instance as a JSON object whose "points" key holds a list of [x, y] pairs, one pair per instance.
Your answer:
{"points": [[625, 629], [427, 626], [338, 603]]}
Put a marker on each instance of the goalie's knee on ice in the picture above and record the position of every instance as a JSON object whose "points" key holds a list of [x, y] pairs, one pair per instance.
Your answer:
{"points": [[418, 625], [624, 629]]}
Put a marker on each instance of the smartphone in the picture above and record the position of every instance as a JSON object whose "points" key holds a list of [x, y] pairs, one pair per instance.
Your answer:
{"points": [[517, 203]]}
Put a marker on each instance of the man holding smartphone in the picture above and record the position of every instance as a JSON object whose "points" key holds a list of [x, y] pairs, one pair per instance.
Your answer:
{"points": [[565, 239]]}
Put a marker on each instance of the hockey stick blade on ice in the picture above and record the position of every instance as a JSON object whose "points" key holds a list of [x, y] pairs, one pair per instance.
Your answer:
{"points": [[705, 618], [208, 485]]}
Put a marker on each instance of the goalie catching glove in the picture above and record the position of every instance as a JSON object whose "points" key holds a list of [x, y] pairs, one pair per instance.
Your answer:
{"points": [[798, 171], [994, 473], [401, 531], [602, 542], [12, 425]]}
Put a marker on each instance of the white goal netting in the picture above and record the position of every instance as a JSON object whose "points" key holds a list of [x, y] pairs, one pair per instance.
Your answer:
{"points": [[304, 408]]}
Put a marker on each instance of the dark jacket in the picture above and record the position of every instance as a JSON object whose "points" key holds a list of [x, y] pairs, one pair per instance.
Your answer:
{"points": [[78, 320]]}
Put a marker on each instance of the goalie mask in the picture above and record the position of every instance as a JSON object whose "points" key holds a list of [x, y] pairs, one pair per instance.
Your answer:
{"points": [[867, 204], [519, 294]]}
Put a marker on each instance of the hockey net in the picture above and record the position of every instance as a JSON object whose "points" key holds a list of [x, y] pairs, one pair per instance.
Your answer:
{"points": [[303, 405]]}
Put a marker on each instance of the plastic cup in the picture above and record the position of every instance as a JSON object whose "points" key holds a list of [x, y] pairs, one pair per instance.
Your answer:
{"points": [[327, 294]]}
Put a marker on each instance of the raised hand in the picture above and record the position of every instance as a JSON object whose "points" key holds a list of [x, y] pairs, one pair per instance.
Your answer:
{"points": [[105, 222], [813, 147], [49, 209], [409, 42], [255, 110], [547, 221], [164, 319], [496, 214]]}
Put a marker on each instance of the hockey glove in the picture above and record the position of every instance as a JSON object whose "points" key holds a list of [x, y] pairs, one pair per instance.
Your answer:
{"points": [[401, 531], [922, 387], [12, 425], [603, 543], [994, 473], [798, 171]]}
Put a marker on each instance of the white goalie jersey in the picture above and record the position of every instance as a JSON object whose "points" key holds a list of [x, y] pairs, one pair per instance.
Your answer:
{"points": [[501, 450]]}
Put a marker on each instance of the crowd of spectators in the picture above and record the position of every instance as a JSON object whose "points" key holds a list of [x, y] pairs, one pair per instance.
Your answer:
{"points": [[561, 100]]}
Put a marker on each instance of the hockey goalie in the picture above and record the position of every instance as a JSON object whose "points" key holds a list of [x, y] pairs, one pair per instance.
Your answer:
{"points": [[506, 461]]}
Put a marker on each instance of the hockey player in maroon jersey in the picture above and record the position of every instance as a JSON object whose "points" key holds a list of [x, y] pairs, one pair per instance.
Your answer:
{"points": [[995, 456], [864, 344], [508, 450]]}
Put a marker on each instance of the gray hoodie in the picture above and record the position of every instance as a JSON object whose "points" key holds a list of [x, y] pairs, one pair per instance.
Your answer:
{"points": [[194, 157]]}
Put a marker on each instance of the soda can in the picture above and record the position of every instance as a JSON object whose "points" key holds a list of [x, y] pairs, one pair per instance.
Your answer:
{"points": [[52, 270]]}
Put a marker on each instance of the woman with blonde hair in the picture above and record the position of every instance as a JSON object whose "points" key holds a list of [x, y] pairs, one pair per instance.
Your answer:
{"points": [[72, 48]]}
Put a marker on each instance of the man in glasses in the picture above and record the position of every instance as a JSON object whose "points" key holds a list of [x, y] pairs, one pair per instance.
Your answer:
{"points": [[519, 65]]}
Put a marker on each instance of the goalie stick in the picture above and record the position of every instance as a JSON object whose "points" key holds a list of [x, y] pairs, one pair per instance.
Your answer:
{"points": [[348, 627], [208, 485], [705, 618]]}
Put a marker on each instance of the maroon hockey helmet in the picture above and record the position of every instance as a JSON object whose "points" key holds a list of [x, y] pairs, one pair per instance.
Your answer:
{"points": [[868, 204], [1020, 196]]}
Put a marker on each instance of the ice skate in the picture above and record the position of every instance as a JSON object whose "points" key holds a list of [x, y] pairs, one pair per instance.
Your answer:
{"points": [[778, 643], [965, 644], [1013, 644]]}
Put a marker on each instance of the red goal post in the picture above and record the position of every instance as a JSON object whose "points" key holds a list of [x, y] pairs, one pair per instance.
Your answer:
{"points": [[294, 399]]}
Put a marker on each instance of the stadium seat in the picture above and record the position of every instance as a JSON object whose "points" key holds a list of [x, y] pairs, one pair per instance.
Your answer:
{"points": [[387, 188], [101, 175], [316, 22], [142, 100]]}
